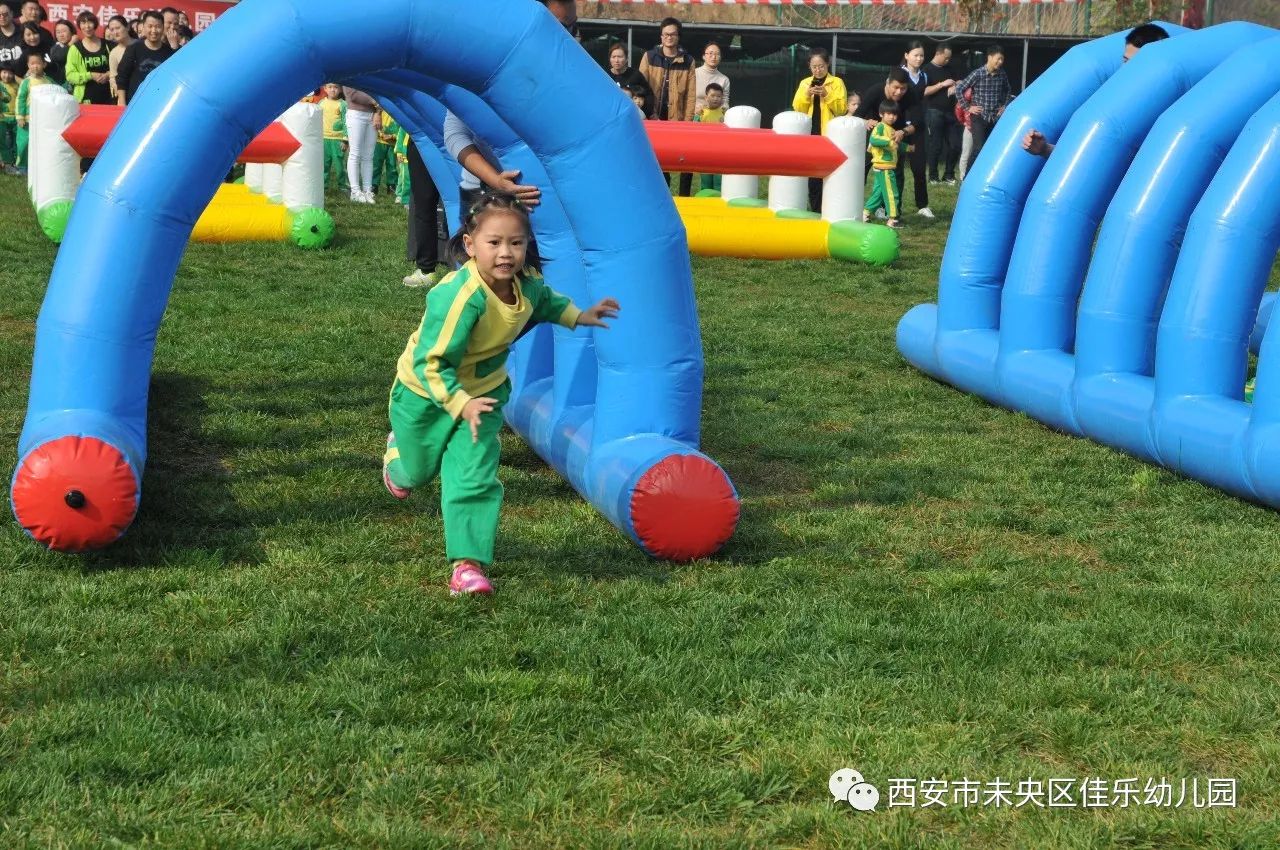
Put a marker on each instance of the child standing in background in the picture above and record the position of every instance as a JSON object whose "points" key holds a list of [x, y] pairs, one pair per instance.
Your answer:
{"points": [[8, 120], [637, 95], [35, 77], [403, 187], [334, 111], [451, 380], [884, 150], [712, 112], [384, 153]]}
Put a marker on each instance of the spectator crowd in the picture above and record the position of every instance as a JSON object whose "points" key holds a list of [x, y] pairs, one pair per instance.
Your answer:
{"points": [[98, 62], [938, 127], [919, 116]]}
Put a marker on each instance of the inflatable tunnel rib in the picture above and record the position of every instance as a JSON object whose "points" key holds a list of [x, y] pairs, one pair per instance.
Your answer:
{"points": [[1141, 340], [617, 412]]}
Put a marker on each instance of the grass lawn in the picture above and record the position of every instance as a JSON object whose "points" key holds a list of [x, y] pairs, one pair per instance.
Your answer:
{"points": [[921, 586]]}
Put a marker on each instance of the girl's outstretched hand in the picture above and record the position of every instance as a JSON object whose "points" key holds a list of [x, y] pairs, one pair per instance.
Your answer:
{"points": [[593, 317], [471, 414]]}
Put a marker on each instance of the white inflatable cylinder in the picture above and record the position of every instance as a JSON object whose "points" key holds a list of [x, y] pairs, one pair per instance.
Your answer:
{"points": [[253, 177], [790, 193], [53, 172], [741, 185], [273, 182], [303, 182], [842, 189]]}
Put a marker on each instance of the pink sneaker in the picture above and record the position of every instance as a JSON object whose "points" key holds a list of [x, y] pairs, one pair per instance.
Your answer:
{"points": [[400, 493], [468, 577]]}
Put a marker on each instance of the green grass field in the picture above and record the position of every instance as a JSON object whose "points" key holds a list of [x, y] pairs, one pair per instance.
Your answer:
{"points": [[921, 586]]}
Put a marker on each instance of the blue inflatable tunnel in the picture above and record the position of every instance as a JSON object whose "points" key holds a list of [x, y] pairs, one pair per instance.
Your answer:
{"points": [[616, 412], [1114, 290]]}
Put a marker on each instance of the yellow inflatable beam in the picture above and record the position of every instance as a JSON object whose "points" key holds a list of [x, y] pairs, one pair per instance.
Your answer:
{"points": [[243, 223], [715, 229]]}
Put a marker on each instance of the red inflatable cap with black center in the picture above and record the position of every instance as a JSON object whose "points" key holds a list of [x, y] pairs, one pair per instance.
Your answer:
{"points": [[75, 493], [683, 507]]}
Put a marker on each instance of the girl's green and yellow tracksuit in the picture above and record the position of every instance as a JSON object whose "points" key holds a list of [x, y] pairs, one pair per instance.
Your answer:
{"points": [[459, 352]]}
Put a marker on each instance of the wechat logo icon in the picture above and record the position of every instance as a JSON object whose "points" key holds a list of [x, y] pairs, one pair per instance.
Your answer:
{"points": [[848, 786]]}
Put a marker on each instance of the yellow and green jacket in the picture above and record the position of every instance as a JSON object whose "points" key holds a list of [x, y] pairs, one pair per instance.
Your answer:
{"points": [[24, 96], [9, 103], [884, 153], [334, 112], [387, 130], [459, 351], [710, 116], [402, 145]]}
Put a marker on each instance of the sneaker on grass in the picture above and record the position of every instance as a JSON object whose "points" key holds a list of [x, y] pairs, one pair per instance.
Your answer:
{"points": [[400, 493], [469, 578], [423, 279]]}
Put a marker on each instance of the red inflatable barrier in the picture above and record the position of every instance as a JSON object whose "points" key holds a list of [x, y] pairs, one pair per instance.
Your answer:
{"points": [[88, 133], [715, 149]]}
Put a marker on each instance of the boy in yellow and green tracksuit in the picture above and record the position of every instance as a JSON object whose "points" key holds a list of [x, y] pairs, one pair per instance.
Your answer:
{"points": [[402, 167], [712, 113], [459, 352], [35, 77], [384, 153], [334, 111], [8, 118], [884, 160]]}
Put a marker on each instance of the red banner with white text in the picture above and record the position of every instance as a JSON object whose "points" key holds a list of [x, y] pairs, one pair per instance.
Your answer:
{"points": [[201, 13]]}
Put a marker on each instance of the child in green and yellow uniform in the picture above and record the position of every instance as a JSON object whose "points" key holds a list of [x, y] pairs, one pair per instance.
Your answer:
{"points": [[451, 380], [712, 113], [35, 77], [384, 153], [334, 111], [402, 166], [8, 119], [884, 150]]}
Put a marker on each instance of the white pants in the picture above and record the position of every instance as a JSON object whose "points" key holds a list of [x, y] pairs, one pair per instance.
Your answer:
{"points": [[361, 139], [966, 148]]}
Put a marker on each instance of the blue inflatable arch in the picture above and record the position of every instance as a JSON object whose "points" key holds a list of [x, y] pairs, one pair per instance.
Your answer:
{"points": [[1140, 342], [617, 413]]}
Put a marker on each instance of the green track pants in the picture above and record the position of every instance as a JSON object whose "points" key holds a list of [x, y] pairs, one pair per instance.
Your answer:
{"points": [[884, 192], [426, 442], [335, 158]]}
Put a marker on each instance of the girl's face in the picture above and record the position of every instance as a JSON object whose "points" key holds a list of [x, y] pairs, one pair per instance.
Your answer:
{"points": [[31, 38], [854, 102], [618, 60], [88, 28], [116, 32], [914, 58], [63, 34], [498, 245]]}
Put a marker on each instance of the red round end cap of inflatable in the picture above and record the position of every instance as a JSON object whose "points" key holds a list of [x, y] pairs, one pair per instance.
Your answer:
{"points": [[683, 507], [75, 493]]}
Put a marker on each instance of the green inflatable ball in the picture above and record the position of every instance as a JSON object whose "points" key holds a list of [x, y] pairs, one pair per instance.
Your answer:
{"points": [[312, 228], [53, 220]]}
